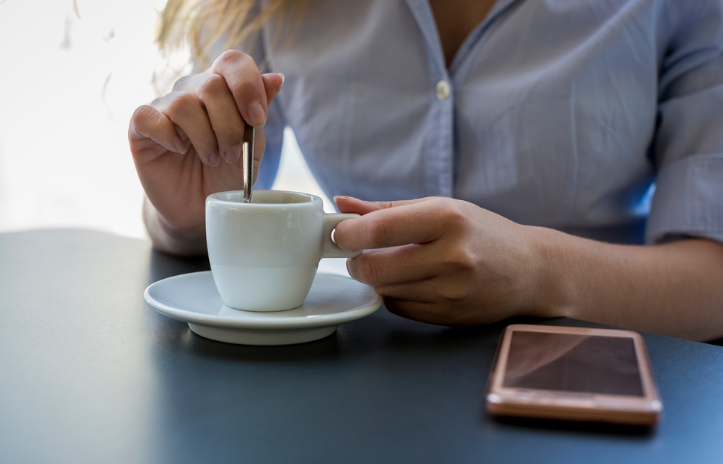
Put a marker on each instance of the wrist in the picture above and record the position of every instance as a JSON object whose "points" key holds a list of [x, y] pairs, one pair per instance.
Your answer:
{"points": [[186, 241], [551, 280]]}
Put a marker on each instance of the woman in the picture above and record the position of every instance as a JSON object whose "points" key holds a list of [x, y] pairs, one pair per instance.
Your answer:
{"points": [[505, 132]]}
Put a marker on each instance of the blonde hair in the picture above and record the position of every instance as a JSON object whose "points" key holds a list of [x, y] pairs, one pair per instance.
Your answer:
{"points": [[205, 23]]}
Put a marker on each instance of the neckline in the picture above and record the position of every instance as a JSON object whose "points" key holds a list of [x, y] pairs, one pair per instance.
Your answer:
{"points": [[422, 12]]}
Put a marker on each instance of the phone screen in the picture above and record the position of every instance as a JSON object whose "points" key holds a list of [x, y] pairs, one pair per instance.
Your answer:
{"points": [[573, 363]]}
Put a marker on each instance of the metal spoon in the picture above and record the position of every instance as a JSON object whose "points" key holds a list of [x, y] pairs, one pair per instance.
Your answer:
{"points": [[248, 161]]}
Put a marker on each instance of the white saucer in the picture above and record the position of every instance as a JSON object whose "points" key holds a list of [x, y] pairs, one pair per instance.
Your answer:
{"points": [[193, 298]]}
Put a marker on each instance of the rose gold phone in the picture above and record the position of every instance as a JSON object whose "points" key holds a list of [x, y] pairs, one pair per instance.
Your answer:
{"points": [[569, 373]]}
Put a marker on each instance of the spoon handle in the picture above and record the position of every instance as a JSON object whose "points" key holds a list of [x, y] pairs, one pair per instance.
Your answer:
{"points": [[248, 161]]}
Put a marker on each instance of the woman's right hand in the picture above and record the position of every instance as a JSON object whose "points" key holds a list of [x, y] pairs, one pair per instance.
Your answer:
{"points": [[187, 144]]}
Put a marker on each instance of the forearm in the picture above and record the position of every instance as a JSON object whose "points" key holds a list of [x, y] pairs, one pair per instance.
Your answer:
{"points": [[673, 289], [186, 242]]}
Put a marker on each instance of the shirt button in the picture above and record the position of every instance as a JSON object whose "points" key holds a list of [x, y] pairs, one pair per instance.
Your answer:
{"points": [[442, 90]]}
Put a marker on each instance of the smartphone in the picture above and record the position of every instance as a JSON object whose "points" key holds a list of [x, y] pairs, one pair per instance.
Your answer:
{"points": [[570, 373]]}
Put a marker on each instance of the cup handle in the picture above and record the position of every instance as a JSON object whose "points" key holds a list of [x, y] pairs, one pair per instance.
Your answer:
{"points": [[329, 248]]}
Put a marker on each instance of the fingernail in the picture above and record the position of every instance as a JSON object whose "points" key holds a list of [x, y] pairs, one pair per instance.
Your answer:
{"points": [[347, 266], [282, 80], [231, 155], [214, 159], [257, 116], [345, 198], [180, 146]]}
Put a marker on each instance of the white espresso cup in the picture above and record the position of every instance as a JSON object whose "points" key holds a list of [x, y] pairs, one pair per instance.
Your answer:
{"points": [[264, 254]]}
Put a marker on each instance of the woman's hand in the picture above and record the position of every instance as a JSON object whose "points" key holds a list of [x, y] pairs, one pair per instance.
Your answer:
{"points": [[443, 261], [186, 144], [466, 265]]}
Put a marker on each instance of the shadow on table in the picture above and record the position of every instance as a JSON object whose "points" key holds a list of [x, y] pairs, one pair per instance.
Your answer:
{"points": [[163, 265], [379, 333], [382, 335], [595, 428], [326, 348]]}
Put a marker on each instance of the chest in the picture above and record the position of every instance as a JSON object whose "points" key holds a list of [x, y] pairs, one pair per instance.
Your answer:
{"points": [[455, 20], [526, 120]]}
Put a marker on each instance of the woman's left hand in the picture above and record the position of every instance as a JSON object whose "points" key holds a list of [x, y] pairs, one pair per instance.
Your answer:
{"points": [[444, 261]]}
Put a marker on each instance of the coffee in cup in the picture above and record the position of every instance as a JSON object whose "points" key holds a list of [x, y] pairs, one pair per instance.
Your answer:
{"points": [[264, 254]]}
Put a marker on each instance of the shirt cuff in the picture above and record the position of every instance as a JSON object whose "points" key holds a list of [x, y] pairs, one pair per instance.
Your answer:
{"points": [[688, 200]]}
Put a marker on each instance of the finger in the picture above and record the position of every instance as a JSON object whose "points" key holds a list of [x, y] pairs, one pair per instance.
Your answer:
{"points": [[272, 83], [420, 222], [244, 80], [438, 290], [405, 292], [416, 311], [355, 205], [226, 122], [184, 137], [394, 265], [185, 110], [149, 123]]}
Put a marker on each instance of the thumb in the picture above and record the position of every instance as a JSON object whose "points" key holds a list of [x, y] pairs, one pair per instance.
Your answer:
{"points": [[355, 205]]}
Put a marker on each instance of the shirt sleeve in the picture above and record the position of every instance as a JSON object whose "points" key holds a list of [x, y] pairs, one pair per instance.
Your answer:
{"points": [[688, 150]]}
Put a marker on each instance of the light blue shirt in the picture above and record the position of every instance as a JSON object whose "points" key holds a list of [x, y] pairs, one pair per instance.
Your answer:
{"points": [[557, 113]]}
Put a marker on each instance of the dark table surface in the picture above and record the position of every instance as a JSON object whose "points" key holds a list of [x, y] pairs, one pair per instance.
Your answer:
{"points": [[90, 373]]}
